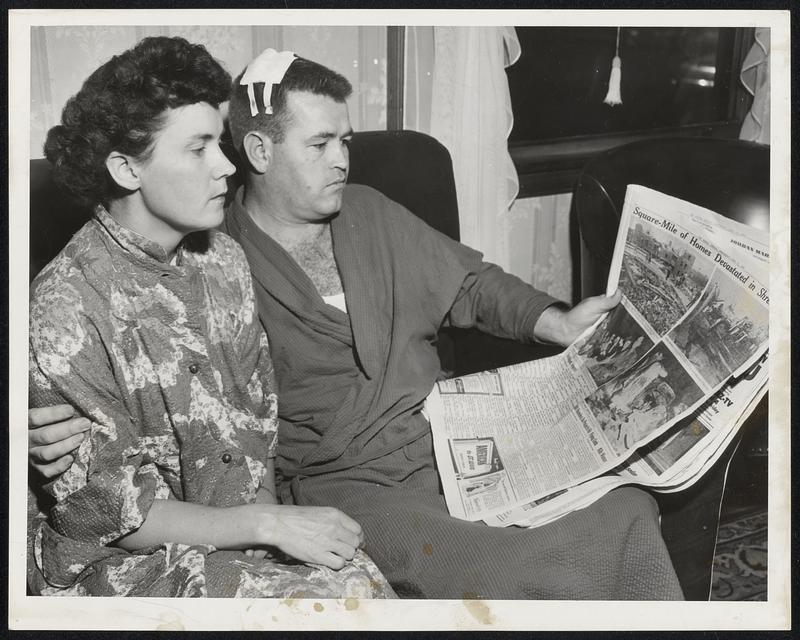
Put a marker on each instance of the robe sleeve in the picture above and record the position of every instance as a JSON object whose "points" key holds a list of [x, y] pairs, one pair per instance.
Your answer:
{"points": [[475, 293], [499, 303], [109, 488]]}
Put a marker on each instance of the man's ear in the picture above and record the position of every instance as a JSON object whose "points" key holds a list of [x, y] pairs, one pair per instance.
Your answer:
{"points": [[257, 147], [123, 170]]}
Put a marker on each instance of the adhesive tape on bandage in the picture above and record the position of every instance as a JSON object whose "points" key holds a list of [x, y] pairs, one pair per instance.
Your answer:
{"points": [[269, 68]]}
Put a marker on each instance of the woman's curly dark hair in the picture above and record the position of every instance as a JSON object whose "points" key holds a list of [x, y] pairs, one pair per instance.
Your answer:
{"points": [[122, 105]]}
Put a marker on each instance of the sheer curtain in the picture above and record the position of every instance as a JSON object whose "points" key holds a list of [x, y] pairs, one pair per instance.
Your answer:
{"points": [[458, 92], [755, 78], [63, 56]]}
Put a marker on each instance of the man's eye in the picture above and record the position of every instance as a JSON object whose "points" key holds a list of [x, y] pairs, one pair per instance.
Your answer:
{"points": [[346, 141], [319, 145]]}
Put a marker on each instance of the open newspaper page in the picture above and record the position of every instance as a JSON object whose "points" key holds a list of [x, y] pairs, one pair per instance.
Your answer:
{"points": [[670, 463], [691, 317], [677, 459]]}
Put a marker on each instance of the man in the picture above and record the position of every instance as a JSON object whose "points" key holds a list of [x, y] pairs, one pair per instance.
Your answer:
{"points": [[351, 290]]}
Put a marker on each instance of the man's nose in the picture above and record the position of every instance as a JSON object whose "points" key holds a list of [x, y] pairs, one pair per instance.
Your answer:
{"points": [[341, 156]]}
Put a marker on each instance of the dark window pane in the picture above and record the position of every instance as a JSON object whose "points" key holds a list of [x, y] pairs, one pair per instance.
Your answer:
{"points": [[670, 77]]}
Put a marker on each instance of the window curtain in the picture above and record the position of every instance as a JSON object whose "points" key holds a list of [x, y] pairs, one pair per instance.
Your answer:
{"points": [[457, 91], [62, 57], [755, 78]]}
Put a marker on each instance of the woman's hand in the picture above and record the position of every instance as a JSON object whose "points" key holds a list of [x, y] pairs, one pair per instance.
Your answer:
{"points": [[318, 535], [263, 496], [54, 433]]}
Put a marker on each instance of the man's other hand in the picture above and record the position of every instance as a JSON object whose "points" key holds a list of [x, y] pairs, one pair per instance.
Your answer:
{"points": [[54, 433], [563, 327]]}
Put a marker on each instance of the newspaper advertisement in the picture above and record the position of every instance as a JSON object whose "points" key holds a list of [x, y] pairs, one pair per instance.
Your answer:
{"points": [[694, 317]]}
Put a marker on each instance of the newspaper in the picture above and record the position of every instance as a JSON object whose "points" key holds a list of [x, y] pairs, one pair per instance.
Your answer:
{"points": [[652, 394]]}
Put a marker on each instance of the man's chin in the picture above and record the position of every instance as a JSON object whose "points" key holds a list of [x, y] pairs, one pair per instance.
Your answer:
{"points": [[331, 205]]}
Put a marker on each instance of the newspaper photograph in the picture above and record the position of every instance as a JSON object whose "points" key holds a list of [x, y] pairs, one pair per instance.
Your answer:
{"points": [[524, 444], [672, 462]]}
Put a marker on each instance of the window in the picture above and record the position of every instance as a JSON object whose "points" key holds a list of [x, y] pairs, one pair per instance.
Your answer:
{"points": [[675, 81]]}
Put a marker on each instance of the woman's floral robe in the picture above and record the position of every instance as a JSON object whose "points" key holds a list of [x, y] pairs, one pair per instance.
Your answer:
{"points": [[168, 361]]}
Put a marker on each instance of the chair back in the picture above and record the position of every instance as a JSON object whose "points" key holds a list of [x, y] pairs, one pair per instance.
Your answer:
{"points": [[729, 177]]}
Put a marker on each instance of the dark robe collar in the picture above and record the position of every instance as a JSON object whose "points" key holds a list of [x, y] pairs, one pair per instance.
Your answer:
{"points": [[357, 258]]}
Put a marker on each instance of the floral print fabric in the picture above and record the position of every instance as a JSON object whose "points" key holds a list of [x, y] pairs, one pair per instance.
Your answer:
{"points": [[169, 362]]}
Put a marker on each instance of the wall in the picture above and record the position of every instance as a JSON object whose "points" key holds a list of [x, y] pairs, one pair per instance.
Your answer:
{"points": [[538, 232], [62, 57]]}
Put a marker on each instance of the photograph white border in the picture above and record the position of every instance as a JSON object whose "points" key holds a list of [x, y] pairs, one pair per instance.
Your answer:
{"points": [[26, 612]]}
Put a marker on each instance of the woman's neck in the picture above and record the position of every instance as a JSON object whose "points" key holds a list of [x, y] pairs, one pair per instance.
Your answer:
{"points": [[129, 214]]}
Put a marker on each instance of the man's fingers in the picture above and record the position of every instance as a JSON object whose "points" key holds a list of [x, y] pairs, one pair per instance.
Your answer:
{"points": [[52, 452], [613, 300], [55, 433], [608, 301], [54, 469], [48, 415]]}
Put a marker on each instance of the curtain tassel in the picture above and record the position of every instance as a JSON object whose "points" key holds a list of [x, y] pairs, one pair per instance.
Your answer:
{"points": [[614, 97]]}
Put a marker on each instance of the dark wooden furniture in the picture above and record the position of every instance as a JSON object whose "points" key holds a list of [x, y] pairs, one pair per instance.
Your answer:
{"points": [[731, 178]]}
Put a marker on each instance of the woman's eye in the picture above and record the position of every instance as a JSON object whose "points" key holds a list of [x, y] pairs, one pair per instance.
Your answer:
{"points": [[199, 151]]}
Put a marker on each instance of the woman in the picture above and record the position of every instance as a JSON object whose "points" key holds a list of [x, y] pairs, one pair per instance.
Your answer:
{"points": [[146, 323]]}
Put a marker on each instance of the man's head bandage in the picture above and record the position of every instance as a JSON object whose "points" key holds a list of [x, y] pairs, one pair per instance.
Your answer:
{"points": [[269, 68]]}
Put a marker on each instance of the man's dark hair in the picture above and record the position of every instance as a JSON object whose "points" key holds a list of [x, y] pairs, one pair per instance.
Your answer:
{"points": [[122, 105], [302, 75]]}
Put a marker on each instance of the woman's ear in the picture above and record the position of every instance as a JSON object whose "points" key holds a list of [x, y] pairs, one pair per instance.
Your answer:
{"points": [[257, 147], [123, 170]]}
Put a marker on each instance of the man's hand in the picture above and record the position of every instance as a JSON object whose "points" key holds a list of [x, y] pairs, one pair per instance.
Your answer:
{"points": [[318, 535], [53, 435], [563, 327]]}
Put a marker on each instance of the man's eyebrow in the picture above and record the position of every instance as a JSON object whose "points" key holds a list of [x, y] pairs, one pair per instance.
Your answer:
{"points": [[329, 135]]}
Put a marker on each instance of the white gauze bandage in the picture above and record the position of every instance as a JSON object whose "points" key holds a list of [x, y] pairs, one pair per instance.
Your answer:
{"points": [[269, 67]]}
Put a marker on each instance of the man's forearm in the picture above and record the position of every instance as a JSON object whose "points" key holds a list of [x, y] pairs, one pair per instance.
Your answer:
{"points": [[550, 327]]}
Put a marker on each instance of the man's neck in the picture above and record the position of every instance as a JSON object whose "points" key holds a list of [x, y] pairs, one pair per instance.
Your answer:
{"points": [[309, 243], [287, 230]]}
